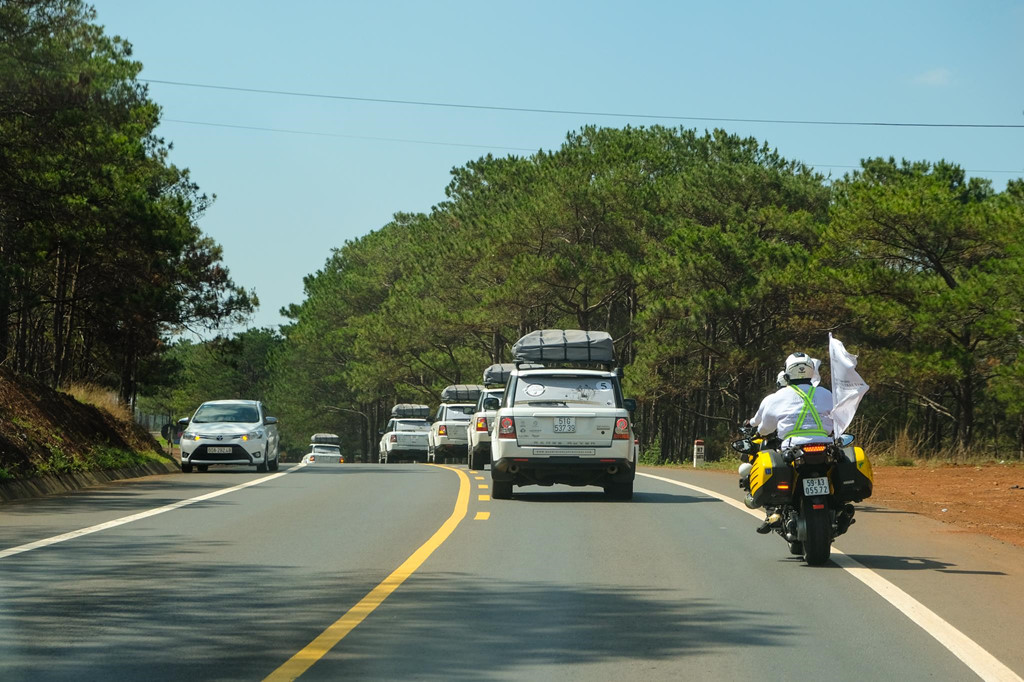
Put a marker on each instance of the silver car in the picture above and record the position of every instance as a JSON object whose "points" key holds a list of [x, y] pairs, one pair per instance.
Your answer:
{"points": [[230, 432]]}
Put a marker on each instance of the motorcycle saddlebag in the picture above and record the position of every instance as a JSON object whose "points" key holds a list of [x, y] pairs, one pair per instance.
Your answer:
{"points": [[852, 478], [771, 479]]}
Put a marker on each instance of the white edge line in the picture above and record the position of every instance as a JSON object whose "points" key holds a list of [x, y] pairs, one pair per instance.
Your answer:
{"points": [[984, 664], [46, 542]]}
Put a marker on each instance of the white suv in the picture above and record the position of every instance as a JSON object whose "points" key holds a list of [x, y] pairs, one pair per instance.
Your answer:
{"points": [[478, 433], [565, 425], [230, 432], [403, 439]]}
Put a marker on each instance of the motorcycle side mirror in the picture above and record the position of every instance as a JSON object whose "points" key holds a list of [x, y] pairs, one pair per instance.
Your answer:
{"points": [[845, 440], [745, 446]]}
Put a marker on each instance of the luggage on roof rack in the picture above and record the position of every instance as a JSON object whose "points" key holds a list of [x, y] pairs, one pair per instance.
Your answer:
{"points": [[410, 411], [498, 373], [461, 393], [325, 439], [564, 345]]}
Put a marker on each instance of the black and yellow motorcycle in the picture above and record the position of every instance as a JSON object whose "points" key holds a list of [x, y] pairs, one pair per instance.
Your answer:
{"points": [[807, 491]]}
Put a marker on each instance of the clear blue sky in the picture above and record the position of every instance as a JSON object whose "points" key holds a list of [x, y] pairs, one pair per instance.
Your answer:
{"points": [[284, 200]]}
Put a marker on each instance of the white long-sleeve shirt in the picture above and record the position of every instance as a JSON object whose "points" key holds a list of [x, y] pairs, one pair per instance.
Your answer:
{"points": [[779, 412]]}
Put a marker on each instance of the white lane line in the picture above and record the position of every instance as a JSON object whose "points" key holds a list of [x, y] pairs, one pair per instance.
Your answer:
{"points": [[46, 542], [984, 664]]}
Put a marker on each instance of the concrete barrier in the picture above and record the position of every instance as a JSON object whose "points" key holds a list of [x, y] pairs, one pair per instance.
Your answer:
{"points": [[55, 484]]}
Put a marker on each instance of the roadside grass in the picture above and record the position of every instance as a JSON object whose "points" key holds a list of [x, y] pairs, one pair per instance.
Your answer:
{"points": [[100, 397]]}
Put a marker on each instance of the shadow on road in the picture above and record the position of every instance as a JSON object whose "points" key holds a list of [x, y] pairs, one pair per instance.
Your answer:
{"points": [[904, 563], [176, 612]]}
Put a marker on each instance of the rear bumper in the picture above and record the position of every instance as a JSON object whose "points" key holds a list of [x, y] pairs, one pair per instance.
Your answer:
{"points": [[565, 470]]}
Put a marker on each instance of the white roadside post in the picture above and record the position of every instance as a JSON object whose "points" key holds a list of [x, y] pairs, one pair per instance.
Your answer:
{"points": [[698, 452]]}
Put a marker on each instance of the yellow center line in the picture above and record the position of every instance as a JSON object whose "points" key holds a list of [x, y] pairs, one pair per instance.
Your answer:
{"points": [[482, 516], [484, 498], [329, 638], [481, 486]]}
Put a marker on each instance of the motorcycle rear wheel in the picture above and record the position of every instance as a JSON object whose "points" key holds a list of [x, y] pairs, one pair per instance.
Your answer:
{"points": [[818, 543]]}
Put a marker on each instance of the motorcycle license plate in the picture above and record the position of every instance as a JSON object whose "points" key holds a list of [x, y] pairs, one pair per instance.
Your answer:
{"points": [[219, 450], [565, 424], [816, 486]]}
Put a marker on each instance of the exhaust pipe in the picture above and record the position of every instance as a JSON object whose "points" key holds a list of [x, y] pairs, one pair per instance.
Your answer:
{"points": [[513, 469], [612, 470]]}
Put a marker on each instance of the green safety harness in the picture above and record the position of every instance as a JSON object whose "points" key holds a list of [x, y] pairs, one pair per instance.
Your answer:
{"points": [[809, 409]]}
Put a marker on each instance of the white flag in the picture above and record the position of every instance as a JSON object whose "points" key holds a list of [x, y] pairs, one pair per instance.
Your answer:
{"points": [[847, 386]]}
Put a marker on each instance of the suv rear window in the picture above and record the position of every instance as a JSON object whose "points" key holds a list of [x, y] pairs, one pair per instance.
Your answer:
{"points": [[564, 390]]}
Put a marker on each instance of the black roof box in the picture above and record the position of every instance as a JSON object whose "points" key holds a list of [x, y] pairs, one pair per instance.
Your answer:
{"points": [[498, 373], [410, 411], [565, 345], [461, 393]]}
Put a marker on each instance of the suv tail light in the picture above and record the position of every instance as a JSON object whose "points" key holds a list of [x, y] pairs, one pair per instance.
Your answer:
{"points": [[394, 438], [506, 428], [621, 429], [481, 423], [442, 430]]}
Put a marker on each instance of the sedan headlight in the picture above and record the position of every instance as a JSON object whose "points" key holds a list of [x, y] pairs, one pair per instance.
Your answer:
{"points": [[253, 435], [189, 436]]}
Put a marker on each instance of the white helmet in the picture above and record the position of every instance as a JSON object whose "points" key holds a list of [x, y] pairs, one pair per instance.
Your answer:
{"points": [[781, 381], [799, 366]]}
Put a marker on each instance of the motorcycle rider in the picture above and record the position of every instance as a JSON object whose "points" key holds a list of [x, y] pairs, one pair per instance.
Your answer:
{"points": [[799, 412]]}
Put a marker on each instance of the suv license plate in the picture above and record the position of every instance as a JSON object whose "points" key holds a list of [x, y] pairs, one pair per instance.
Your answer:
{"points": [[816, 486], [219, 449], [565, 425]]}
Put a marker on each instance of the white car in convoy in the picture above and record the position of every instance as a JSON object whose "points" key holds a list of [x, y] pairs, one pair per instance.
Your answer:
{"points": [[564, 424], [230, 432], [406, 435], [478, 434], [448, 432]]}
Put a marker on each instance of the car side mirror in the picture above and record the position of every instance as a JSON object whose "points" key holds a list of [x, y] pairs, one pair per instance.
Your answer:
{"points": [[491, 403], [183, 421], [629, 404], [270, 420], [381, 432]]}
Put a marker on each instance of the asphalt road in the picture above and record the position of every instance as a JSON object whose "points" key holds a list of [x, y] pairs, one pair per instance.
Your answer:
{"points": [[404, 572]]}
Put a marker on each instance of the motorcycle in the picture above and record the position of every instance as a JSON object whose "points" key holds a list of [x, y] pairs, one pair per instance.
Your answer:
{"points": [[808, 490]]}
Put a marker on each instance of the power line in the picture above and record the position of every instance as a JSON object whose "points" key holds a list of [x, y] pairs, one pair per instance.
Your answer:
{"points": [[472, 146], [450, 105], [351, 137]]}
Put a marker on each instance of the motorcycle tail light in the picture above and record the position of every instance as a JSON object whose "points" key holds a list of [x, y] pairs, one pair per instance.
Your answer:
{"points": [[782, 486], [818, 447]]}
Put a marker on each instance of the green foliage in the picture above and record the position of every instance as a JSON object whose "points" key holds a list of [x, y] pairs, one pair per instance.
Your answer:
{"points": [[100, 256]]}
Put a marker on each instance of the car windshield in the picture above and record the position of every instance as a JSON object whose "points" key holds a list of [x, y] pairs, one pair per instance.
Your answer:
{"points": [[226, 413], [327, 449], [411, 425], [461, 413], [564, 390]]}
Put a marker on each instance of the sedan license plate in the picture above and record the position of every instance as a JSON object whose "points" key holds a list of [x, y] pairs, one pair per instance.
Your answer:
{"points": [[816, 486], [219, 450], [565, 425]]}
